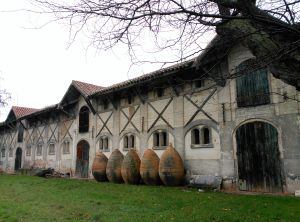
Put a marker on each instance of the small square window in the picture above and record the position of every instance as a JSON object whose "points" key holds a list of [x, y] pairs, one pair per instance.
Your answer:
{"points": [[160, 92], [199, 83]]}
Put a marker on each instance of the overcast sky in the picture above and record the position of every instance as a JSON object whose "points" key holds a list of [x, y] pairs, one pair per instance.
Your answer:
{"points": [[37, 66]]}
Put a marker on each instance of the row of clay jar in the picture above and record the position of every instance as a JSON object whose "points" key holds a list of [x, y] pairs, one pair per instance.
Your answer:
{"points": [[151, 170]]}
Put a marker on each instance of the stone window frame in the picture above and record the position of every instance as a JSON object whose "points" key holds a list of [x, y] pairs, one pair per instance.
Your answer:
{"points": [[104, 140], [200, 142], [129, 141], [160, 139], [28, 148], [3, 152], [39, 147], [66, 151], [11, 152], [52, 151]]}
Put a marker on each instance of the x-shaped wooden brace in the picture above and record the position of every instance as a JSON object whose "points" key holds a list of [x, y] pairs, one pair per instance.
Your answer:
{"points": [[12, 137], [160, 114], [200, 108], [30, 136], [104, 124], [129, 119], [67, 128], [53, 133], [41, 133]]}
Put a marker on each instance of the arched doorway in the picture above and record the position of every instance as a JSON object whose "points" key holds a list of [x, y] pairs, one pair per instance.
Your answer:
{"points": [[259, 165], [18, 160], [82, 160]]}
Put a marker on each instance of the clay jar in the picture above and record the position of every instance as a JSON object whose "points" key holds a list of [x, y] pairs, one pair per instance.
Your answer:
{"points": [[131, 167], [113, 168], [149, 168], [99, 167], [171, 168]]}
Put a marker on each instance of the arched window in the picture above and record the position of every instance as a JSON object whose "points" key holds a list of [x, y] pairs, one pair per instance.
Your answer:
{"points": [[20, 134], [206, 135], [160, 139], [125, 141], [195, 136], [104, 144], [3, 152], [51, 149], [201, 137], [84, 119], [39, 150], [28, 150], [163, 138], [252, 87], [10, 154], [131, 141], [66, 147], [156, 139]]}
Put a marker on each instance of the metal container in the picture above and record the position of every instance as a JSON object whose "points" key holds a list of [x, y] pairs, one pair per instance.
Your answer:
{"points": [[131, 167], [171, 168], [149, 168], [99, 167], [113, 167]]}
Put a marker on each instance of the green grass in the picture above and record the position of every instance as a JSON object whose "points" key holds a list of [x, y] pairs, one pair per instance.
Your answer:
{"points": [[24, 198]]}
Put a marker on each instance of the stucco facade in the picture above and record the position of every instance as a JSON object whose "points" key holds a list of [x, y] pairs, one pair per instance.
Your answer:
{"points": [[177, 113]]}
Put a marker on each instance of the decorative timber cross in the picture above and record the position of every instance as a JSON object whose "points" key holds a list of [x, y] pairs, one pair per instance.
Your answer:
{"points": [[200, 107], [104, 123], [40, 133], [129, 119], [160, 114], [12, 138], [52, 131], [67, 127]]}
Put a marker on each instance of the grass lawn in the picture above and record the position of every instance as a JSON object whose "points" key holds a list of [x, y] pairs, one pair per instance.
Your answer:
{"points": [[24, 198]]}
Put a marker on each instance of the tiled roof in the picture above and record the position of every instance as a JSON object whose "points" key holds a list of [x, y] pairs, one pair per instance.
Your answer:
{"points": [[86, 88], [23, 111], [148, 76]]}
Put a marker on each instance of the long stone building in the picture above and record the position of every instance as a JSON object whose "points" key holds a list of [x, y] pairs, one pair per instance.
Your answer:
{"points": [[244, 130]]}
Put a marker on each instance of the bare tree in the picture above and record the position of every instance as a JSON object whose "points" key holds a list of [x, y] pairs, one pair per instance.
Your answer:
{"points": [[269, 28]]}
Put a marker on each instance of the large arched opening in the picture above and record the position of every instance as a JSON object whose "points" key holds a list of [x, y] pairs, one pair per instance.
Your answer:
{"points": [[82, 159], [258, 156], [18, 159]]}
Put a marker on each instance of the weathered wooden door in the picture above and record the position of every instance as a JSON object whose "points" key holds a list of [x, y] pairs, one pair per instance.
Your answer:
{"points": [[18, 159], [82, 160], [258, 156]]}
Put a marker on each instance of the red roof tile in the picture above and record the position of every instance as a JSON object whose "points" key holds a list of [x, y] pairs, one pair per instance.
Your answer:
{"points": [[86, 88], [22, 111]]}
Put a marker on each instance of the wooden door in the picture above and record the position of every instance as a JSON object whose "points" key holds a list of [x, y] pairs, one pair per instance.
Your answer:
{"points": [[18, 159], [82, 160], [258, 156]]}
